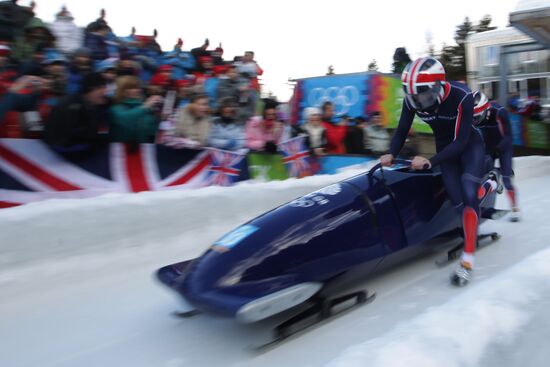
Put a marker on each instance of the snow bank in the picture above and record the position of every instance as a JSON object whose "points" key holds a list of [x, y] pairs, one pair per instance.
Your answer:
{"points": [[54, 230], [458, 332], [58, 229]]}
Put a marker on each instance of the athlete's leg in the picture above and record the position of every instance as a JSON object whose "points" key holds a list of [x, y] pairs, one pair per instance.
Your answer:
{"points": [[450, 173], [473, 166], [506, 167]]}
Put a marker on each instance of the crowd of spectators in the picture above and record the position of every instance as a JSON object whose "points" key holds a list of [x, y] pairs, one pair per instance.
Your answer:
{"points": [[76, 88], [530, 108], [327, 134]]}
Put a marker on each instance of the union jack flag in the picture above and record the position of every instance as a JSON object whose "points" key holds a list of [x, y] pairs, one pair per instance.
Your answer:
{"points": [[225, 167], [31, 171], [296, 156]]}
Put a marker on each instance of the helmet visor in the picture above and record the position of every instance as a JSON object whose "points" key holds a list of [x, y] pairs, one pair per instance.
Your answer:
{"points": [[478, 119], [425, 100]]}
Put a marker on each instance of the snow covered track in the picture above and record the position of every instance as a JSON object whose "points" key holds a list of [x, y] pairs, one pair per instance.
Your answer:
{"points": [[57, 229], [76, 288]]}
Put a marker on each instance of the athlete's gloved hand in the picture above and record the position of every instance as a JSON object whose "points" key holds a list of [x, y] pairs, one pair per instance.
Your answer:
{"points": [[386, 160], [420, 163]]}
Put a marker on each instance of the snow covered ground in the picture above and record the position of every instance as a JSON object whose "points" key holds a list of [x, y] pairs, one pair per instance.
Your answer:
{"points": [[76, 288]]}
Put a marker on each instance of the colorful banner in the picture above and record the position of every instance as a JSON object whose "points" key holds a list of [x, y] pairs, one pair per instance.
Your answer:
{"points": [[331, 164], [348, 93], [266, 167], [529, 133], [517, 129], [537, 134], [355, 95]]}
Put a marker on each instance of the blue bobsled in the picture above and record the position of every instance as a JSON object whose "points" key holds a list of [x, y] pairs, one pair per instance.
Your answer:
{"points": [[318, 243]]}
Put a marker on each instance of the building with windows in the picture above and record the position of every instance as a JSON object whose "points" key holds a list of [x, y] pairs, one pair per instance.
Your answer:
{"points": [[514, 60], [528, 72], [512, 65]]}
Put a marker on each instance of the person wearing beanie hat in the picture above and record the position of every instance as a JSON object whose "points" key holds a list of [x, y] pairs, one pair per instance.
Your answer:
{"points": [[309, 112], [160, 80], [313, 130], [184, 89], [159, 84], [80, 121]]}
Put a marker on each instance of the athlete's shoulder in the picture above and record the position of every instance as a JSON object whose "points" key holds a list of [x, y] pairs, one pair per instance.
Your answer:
{"points": [[459, 88], [496, 106], [499, 110]]}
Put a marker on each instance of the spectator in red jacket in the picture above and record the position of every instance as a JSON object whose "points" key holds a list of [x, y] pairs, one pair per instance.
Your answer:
{"points": [[336, 132]]}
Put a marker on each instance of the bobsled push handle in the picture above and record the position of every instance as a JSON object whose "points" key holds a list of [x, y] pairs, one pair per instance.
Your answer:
{"points": [[378, 166], [405, 162]]}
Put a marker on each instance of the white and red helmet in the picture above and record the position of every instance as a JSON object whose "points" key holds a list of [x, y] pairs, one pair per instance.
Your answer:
{"points": [[481, 107], [424, 83]]}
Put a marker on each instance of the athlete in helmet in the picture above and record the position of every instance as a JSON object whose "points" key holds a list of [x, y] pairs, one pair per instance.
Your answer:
{"points": [[448, 108], [492, 120]]}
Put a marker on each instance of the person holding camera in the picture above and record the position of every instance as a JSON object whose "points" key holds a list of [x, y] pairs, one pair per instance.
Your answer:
{"points": [[80, 121], [133, 119], [263, 133], [22, 95]]}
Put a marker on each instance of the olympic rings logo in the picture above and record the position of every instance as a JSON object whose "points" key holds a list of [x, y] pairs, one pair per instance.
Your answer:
{"points": [[330, 190], [342, 97], [306, 202], [317, 197]]}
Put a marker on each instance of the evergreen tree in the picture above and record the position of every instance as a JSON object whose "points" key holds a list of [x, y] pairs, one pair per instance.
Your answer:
{"points": [[430, 44], [453, 58], [373, 65], [484, 24], [400, 59]]}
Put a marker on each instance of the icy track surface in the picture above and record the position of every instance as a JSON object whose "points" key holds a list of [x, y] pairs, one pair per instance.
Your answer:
{"points": [[77, 288]]}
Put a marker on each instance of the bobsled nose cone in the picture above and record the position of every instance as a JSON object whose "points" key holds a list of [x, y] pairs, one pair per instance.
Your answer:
{"points": [[274, 303]]}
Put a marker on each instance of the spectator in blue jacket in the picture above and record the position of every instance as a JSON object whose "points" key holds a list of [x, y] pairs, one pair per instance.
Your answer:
{"points": [[15, 100], [79, 67], [96, 41], [225, 133], [183, 62]]}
